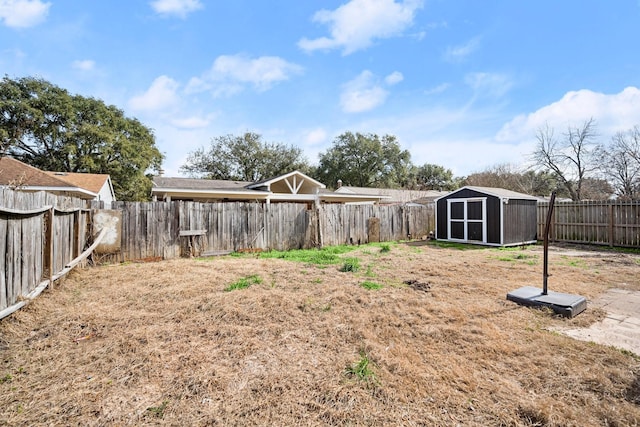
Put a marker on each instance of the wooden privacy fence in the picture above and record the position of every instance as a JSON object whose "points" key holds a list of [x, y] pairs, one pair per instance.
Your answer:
{"points": [[612, 222], [163, 230], [40, 235]]}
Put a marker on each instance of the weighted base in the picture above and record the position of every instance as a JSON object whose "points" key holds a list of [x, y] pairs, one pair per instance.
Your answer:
{"points": [[566, 305]]}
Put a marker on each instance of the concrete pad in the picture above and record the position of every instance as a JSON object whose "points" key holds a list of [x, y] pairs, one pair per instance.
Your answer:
{"points": [[621, 326], [567, 305]]}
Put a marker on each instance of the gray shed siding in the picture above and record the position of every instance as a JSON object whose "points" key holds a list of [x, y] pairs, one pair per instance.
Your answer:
{"points": [[520, 223]]}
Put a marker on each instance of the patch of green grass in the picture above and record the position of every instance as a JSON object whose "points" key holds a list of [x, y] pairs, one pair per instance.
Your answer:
{"points": [[372, 286], [629, 353], [454, 245], [578, 263], [362, 370], [158, 411], [513, 256], [245, 282], [350, 265], [324, 256], [369, 272], [6, 379]]}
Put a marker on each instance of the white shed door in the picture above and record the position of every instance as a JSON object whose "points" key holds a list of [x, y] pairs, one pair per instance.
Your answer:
{"points": [[467, 219]]}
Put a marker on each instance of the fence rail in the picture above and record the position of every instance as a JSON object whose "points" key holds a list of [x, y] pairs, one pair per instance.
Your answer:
{"points": [[613, 223], [40, 234]]}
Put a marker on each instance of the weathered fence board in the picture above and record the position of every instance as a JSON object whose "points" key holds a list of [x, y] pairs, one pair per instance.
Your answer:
{"points": [[612, 222], [151, 230], [28, 250]]}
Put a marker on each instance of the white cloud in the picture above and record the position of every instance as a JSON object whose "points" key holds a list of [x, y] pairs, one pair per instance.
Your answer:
{"points": [[437, 89], [179, 8], [459, 53], [489, 84], [315, 136], [230, 73], [193, 122], [162, 94], [394, 78], [612, 113], [23, 13], [83, 65], [356, 24], [362, 94]]}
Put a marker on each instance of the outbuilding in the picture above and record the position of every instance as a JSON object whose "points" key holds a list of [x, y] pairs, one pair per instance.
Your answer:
{"points": [[486, 216]]}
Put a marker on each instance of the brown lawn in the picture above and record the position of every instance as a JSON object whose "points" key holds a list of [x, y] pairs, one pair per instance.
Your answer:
{"points": [[163, 344]]}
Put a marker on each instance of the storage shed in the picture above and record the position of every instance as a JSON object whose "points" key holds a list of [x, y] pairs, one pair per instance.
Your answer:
{"points": [[486, 216]]}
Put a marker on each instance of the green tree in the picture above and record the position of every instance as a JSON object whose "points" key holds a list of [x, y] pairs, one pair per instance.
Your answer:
{"points": [[365, 161], [43, 125], [244, 158], [434, 177]]}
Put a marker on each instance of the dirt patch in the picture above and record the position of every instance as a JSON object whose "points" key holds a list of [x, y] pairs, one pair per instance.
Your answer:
{"points": [[163, 343]]}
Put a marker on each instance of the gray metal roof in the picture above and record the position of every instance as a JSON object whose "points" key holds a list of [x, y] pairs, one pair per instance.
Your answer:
{"points": [[199, 184], [497, 192]]}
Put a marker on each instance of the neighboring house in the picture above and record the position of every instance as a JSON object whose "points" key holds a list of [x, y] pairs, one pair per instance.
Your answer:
{"points": [[394, 196], [15, 174], [97, 183], [291, 187]]}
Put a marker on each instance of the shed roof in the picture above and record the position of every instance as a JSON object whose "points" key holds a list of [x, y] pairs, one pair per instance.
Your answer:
{"points": [[496, 192]]}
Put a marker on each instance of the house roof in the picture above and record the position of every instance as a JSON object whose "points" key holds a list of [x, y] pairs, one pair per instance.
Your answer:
{"points": [[198, 184], [16, 173], [392, 195], [268, 182], [497, 192], [89, 181], [292, 187]]}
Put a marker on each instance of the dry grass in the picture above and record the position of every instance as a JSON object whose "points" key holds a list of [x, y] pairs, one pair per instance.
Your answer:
{"points": [[164, 343]]}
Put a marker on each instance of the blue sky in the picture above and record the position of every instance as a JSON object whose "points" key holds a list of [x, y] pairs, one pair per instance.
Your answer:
{"points": [[464, 84]]}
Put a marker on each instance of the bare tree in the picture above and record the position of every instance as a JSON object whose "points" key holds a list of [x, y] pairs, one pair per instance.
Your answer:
{"points": [[571, 159], [621, 163]]}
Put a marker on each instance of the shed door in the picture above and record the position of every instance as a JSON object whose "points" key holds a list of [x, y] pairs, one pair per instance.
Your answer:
{"points": [[468, 219]]}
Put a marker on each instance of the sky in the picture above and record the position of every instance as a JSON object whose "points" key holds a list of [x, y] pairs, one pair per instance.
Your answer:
{"points": [[464, 84]]}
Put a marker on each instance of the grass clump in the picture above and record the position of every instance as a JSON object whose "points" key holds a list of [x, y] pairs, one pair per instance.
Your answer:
{"points": [[325, 256], [362, 370], [245, 282], [372, 286], [350, 265], [158, 411]]}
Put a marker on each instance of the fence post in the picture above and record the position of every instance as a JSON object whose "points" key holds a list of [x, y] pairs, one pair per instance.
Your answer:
{"points": [[76, 234], [48, 250], [611, 225]]}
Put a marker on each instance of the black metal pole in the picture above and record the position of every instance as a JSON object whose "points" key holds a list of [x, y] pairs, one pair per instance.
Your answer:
{"points": [[545, 273]]}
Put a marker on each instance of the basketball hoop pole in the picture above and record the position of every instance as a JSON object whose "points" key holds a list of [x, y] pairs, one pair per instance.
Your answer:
{"points": [[545, 272]]}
